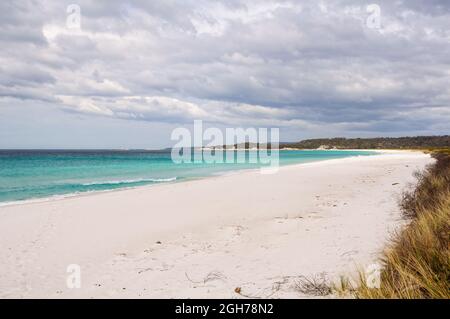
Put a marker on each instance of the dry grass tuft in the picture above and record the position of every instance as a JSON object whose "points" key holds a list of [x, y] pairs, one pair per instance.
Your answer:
{"points": [[417, 262], [317, 285]]}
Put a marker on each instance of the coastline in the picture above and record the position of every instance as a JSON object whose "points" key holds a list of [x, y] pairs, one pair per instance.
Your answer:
{"points": [[205, 237], [59, 197]]}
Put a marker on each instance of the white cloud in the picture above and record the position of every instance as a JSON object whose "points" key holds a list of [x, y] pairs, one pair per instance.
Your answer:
{"points": [[297, 64]]}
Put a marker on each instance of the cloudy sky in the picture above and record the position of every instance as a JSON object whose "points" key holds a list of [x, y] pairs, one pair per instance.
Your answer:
{"points": [[135, 70]]}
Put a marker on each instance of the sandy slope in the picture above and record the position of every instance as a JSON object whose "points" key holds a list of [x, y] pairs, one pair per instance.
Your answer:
{"points": [[204, 238]]}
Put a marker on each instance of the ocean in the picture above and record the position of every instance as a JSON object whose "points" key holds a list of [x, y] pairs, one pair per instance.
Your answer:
{"points": [[43, 174]]}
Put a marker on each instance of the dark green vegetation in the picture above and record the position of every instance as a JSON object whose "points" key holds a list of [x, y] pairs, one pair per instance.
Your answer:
{"points": [[416, 142]]}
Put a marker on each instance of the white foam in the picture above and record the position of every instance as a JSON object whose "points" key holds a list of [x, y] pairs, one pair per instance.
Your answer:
{"points": [[131, 181]]}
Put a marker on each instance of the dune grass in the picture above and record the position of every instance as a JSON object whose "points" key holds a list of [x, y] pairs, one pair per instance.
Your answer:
{"points": [[416, 264]]}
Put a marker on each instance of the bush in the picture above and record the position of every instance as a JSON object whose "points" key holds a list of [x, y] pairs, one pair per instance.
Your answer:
{"points": [[417, 262]]}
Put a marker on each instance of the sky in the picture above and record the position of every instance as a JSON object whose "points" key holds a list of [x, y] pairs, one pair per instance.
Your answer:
{"points": [[124, 74]]}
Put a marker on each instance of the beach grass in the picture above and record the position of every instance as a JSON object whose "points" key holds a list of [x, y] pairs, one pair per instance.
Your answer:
{"points": [[416, 264]]}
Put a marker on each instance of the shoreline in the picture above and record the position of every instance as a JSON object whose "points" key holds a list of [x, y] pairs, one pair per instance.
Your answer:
{"points": [[59, 197], [205, 237]]}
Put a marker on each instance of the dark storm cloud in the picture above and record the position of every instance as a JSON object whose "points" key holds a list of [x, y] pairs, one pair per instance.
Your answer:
{"points": [[296, 64]]}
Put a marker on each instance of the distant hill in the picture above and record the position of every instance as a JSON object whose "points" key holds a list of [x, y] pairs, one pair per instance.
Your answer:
{"points": [[373, 143]]}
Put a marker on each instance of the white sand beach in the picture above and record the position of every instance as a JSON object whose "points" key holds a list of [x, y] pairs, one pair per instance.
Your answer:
{"points": [[205, 238]]}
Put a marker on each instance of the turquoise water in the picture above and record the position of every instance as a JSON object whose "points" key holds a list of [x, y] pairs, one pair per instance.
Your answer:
{"points": [[39, 174]]}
